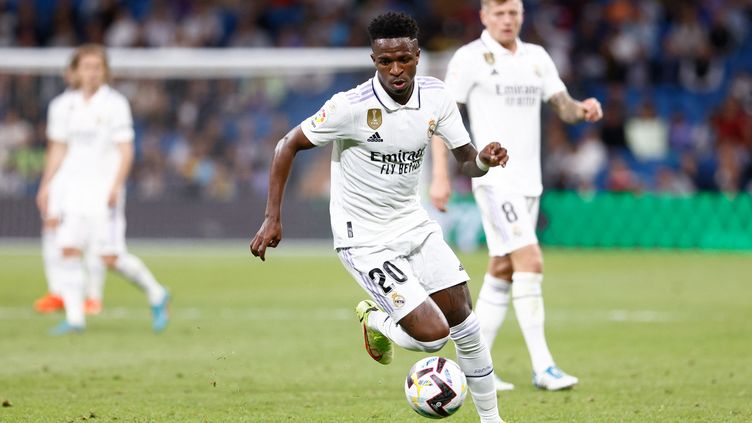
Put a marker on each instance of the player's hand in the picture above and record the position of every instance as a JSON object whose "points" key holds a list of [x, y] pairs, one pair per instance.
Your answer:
{"points": [[269, 235], [440, 191], [42, 199], [113, 197], [494, 154], [591, 110]]}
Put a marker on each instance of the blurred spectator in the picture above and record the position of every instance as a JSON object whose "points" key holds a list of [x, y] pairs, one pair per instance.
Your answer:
{"points": [[620, 178], [586, 161], [675, 183], [647, 134]]}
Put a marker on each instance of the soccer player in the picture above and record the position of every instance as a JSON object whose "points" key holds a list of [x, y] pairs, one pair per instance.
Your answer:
{"points": [[51, 254], [90, 133], [502, 81], [382, 235]]}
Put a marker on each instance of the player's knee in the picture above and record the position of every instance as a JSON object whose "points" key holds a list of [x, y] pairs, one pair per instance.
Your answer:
{"points": [[110, 261], [71, 252], [501, 267]]}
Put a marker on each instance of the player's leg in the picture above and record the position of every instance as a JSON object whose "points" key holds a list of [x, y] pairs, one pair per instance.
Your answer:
{"points": [[95, 277], [527, 297], [445, 278], [72, 238], [400, 310], [111, 247], [51, 257]]}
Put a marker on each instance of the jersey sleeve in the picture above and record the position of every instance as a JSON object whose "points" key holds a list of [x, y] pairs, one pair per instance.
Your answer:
{"points": [[122, 122], [458, 77], [332, 122], [57, 129], [450, 127], [552, 83]]}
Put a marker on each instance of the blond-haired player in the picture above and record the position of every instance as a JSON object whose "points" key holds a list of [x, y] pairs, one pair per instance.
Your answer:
{"points": [[90, 136], [502, 82]]}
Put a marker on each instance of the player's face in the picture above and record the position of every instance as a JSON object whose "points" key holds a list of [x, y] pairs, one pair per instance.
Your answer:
{"points": [[396, 61], [90, 73], [503, 21]]}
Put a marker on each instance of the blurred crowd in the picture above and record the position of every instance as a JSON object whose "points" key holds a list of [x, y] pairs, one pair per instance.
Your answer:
{"points": [[675, 79]]}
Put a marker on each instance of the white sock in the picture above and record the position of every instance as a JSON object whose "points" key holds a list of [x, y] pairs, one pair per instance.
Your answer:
{"points": [[71, 274], [527, 296], [474, 359], [383, 323], [95, 270], [492, 305], [51, 257], [133, 269]]}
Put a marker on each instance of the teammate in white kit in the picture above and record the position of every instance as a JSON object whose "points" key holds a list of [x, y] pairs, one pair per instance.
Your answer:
{"points": [[502, 81], [91, 142], [384, 238], [52, 301]]}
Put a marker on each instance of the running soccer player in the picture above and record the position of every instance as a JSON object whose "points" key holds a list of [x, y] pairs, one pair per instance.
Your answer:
{"points": [[384, 238], [502, 81], [91, 142]]}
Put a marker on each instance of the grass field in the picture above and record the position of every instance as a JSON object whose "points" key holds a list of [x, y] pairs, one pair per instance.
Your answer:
{"points": [[653, 337]]}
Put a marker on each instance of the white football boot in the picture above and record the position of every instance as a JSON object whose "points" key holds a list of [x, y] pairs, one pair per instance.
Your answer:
{"points": [[553, 379]]}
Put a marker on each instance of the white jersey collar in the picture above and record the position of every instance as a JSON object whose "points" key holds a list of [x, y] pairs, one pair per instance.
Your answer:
{"points": [[496, 48], [101, 91], [388, 102]]}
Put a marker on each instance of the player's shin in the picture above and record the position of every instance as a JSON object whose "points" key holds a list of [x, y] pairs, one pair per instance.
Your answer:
{"points": [[492, 305], [71, 274], [133, 269], [95, 270], [474, 358], [52, 256], [383, 323], [527, 296]]}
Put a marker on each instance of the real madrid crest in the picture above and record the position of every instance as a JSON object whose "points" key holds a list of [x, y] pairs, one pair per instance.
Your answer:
{"points": [[489, 58], [431, 127], [373, 118]]}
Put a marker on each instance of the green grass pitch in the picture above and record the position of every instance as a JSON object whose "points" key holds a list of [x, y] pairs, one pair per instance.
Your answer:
{"points": [[653, 337]]}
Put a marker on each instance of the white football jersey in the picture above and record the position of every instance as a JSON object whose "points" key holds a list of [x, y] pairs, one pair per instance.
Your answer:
{"points": [[503, 93], [92, 130], [379, 147], [57, 184]]}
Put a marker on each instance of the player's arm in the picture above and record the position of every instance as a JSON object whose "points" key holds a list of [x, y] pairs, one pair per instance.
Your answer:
{"points": [[441, 185], [270, 232], [56, 152], [473, 163], [573, 111], [126, 151]]}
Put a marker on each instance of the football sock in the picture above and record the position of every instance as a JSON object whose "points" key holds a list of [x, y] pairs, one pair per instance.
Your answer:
{"points": [[474, 358], [383, 323], [133, 269], [527, 297], [95, 270], [71, 276], [51, 256], [491, 307]]}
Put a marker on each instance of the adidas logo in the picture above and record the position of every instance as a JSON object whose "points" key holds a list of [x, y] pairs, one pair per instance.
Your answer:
{"points": [[375, 138], [462, 267], [494, 72]]}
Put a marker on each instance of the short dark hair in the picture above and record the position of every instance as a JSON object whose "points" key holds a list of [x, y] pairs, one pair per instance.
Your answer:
{"points": [[393, 25]]}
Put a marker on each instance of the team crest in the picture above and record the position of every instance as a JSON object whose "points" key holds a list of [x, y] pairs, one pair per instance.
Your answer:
{"points": [[398, 300], [373, 118], [489, 58], [431, 128], [319, 118]]}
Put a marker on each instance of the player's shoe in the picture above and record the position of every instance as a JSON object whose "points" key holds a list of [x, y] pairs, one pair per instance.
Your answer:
{"points": [[65, 328], [161, 314], [502, 385], [93, 306], [49, 304], [378, 346], [553, 379]]}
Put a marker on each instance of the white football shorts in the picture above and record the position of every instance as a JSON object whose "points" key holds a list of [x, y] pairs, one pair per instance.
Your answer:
{"points": [[509, 220], [103, 235], [401, 275]]}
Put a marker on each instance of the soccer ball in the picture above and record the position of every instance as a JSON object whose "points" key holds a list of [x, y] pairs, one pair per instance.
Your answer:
{"points": [[435, 387]]}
